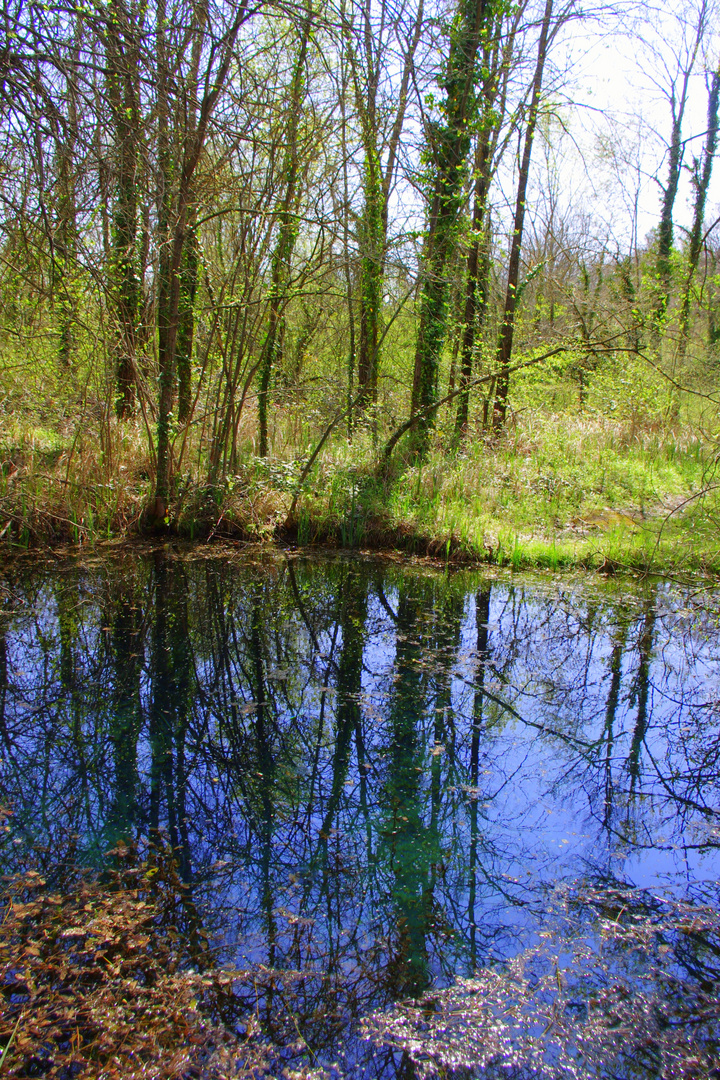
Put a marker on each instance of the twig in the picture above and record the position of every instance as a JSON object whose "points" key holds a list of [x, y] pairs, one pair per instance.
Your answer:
{"points": [[10, 1041]]}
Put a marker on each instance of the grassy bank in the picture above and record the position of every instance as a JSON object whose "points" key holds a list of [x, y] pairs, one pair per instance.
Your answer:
{"points": [[555, 491]]}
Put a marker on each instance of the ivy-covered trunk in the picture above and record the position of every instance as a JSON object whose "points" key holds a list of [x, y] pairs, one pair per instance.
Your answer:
{"points": [[701, 180], [678, 103], [372, 274], [448, 148], [496, 66]]}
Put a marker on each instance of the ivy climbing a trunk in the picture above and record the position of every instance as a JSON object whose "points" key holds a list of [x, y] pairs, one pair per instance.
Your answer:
{"points": [[448, 145], [496, 67], [678, 103], [701, 181]]}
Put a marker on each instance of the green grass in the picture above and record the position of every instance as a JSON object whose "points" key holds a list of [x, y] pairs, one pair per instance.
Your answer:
{"points": [[556, 490]]}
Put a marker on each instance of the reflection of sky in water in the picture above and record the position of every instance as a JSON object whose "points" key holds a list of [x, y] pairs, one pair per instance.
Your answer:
{"points": [[352, 818]]}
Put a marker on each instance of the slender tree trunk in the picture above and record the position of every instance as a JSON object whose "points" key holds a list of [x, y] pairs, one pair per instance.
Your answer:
{"points": [[665, 228], [287, 236], [66, 236], [377, 183], [675, 155], [503, 354], [701, 180], [372, 276], [122, 76], [166, 331], [372, 234], [497, 64], [186, 317], [476, 288], [347, 267], [176, 209]]}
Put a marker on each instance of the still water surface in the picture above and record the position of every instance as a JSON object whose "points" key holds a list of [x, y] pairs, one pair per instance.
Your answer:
{"points": [[373, 772]]}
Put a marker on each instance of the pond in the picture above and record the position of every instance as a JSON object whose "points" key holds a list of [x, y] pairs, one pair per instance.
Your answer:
{"points": [[375, 774]]}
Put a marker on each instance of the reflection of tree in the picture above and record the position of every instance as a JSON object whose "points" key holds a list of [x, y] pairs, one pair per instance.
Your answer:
{"points": [[124, 616], [4, 691], [407, 840], [613, 698], [67, 599], [641, 691], [443, 650], [482, 618], [171, 689], [352, 597], [265, 773]]}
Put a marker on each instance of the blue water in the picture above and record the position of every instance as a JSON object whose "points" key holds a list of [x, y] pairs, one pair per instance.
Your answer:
{"points": [[373, 772]]}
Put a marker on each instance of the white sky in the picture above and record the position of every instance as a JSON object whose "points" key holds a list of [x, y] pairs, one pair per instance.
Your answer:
{"points": [[621, 120]]}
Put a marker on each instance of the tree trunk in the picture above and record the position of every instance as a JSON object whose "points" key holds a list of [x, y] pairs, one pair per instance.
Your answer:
{"points": [[377, 184], [122, 84], [66, 237], [675, 156], [503, 355], [496, 72], [476, 287], [167, 328], [287, 236], [701, 179], [372, 276], [186, 318], [665, 228], [449, 144], [176, 209]]}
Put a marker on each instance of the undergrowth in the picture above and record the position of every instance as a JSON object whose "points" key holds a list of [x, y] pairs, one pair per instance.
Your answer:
{"points": [[555, 490]]}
